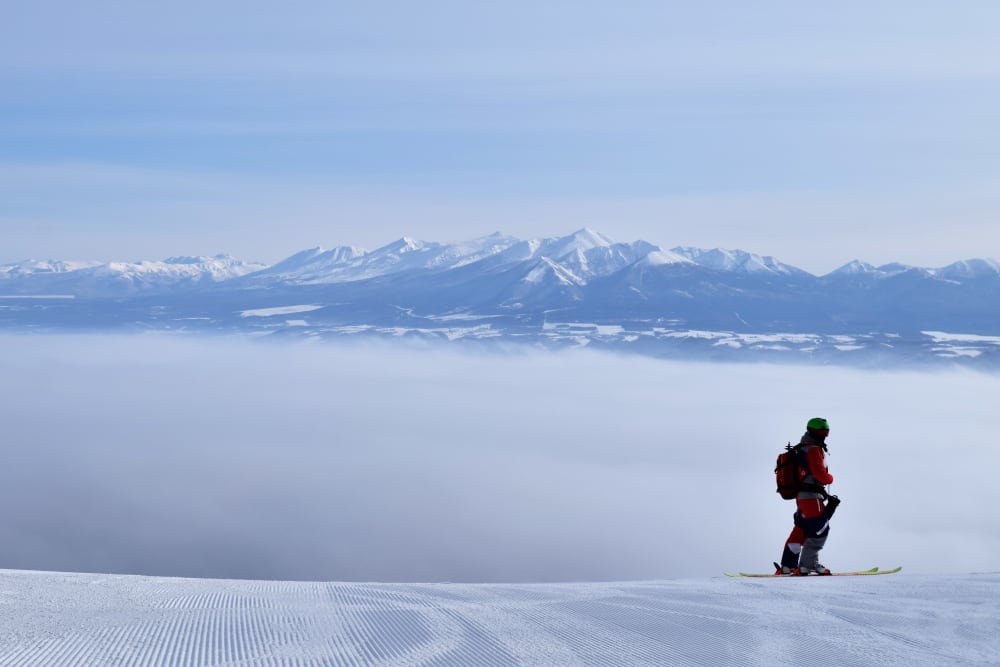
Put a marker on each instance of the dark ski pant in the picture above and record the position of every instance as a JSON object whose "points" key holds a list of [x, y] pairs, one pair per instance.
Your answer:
{"points": [[808, 536]]}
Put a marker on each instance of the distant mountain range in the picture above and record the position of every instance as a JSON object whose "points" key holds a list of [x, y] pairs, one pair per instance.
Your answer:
{"points": [[581, 289]]}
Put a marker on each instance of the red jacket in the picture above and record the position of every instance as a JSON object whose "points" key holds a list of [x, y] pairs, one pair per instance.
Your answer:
{"points": [[817, 465]]}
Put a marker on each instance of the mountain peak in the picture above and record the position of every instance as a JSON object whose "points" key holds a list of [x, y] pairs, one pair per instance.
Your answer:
{"points": [[741, 261], [858, 268], [197, 259], [404, 244], [969, 268], [853, 268], [660, 257], [581, 240], [30, 267], [313, 257]]}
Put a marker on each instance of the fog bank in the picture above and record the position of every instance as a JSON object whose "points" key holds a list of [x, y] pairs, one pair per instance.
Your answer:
{"points": [[233, 458]]}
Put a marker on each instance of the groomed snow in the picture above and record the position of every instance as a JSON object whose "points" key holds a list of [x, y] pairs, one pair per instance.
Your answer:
{"points": [[900, 619]]}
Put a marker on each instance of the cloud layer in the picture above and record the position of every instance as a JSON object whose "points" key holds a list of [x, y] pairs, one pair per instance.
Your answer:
{"points": [[226, 458]]}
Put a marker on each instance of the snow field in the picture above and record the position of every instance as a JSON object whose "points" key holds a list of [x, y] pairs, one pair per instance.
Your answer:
{"points": [[85, 619]]}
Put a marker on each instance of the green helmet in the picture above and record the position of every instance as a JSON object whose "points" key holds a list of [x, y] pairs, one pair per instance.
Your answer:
{"points": [[818, 424]]}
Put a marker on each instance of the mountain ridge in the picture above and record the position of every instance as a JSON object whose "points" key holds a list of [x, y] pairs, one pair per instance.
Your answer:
{"points": [[569, 290], [578, 244]]}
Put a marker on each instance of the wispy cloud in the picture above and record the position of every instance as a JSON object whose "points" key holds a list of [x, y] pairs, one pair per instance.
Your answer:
{"points": [[148, 130]]}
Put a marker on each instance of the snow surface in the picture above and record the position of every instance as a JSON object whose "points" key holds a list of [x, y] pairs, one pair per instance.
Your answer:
{"points": [[279, 310], [37, 266], [735, 260], [93, 619]]}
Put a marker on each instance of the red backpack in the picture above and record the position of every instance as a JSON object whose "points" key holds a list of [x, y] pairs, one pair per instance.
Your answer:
{"points": [[786, 472]]}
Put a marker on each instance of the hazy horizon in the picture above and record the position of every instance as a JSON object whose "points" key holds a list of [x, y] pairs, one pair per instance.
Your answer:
{"points": [[569, 232]]}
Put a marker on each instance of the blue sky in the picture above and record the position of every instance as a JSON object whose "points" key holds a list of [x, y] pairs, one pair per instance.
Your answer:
{"points": [[815, 134]]}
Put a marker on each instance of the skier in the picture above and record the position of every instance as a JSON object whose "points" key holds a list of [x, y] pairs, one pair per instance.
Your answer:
{"points": [[812, 518]]}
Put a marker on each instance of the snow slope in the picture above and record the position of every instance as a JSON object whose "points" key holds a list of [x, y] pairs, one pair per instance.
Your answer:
{"points": [[91, 619]]}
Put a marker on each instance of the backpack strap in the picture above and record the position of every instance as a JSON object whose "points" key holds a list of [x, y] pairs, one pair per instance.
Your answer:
{"points": [[800, 459], [814, 488]]}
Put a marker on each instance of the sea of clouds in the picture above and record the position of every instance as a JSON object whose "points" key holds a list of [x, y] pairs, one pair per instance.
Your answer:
{"points": [[237, 458]]}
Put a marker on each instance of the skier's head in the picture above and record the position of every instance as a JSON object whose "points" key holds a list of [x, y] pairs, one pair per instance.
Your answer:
{"points": [[818, 427]]}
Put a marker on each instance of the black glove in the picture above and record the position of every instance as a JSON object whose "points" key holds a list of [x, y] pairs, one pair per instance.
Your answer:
{"points": [[831, 506]]}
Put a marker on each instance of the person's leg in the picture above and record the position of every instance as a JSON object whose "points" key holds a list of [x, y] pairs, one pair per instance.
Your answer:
{"points": [[815, 524], [790, 554], [809, 558]]}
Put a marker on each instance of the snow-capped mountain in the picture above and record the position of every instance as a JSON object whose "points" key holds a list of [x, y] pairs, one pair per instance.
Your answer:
{"points": [[120, 278], [859, 268], [576, 258], [970, 269], [36, 267], [562, 290], [312, 262], [348, 264], [736, 260]]}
